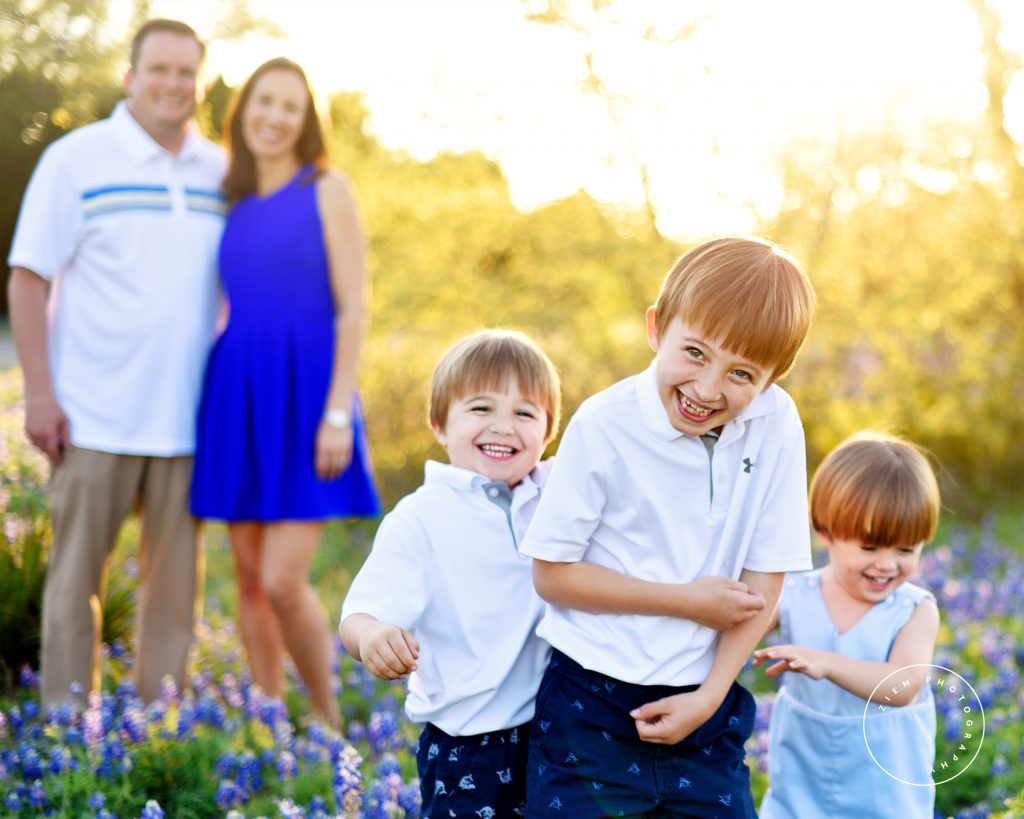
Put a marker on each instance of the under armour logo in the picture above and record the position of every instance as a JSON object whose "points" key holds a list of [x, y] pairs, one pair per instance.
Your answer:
{"points": [[748, 464]]}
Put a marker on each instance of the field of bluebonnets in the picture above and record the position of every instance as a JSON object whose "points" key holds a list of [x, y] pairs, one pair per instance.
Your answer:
{"points": [[221, 748]]}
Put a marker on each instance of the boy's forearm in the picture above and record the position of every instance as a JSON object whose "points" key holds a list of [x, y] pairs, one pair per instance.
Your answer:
{"points": [[589, 587], [736, 644]]}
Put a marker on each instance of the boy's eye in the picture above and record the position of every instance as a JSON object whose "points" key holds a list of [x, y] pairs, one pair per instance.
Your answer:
{"points": [[696, 352], [743, 375], [479, 408], [526, 414], [907, 550]]}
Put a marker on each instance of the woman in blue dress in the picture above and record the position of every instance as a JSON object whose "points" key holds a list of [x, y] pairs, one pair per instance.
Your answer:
{"points": [[281, 445]]}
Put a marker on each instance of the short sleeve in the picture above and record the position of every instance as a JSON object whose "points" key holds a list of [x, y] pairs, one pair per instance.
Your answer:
{"points": [[782, 536], [50, 220], [571, 503], [393, 584]]}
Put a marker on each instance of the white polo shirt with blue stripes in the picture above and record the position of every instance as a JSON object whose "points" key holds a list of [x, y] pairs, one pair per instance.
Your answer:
{"points": [[129, 234]]}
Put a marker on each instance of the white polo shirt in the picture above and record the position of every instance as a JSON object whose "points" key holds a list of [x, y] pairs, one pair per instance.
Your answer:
{"points": [[129, 232], [631, 493], [445, 565]]}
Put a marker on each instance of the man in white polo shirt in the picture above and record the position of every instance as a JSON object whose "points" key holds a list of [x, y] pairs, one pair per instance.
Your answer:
{"points": [[113, 296]]}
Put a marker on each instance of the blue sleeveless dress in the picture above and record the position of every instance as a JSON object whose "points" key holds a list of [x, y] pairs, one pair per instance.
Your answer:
{"points": [[268, 374], [818, 763]]}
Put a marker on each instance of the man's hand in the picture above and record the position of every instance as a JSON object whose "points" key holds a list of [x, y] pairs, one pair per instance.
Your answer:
{"points": [[671, 720], [388, 651], [720, 602], [807, 661], [47, 426]]}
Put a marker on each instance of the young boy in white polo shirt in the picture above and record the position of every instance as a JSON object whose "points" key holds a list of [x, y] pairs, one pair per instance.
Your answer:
{"points": [[677, 504], [446, 598]]}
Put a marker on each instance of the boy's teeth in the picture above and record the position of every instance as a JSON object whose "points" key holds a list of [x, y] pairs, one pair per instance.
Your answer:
{"points": [[497, 449], [692, 409]]}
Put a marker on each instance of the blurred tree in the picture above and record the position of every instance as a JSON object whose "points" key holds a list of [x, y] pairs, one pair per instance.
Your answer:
{"points": [[449, 253], [914, 247]]}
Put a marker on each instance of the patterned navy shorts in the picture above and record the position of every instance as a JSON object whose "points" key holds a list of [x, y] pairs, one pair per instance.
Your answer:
{"points": [[586, 759], [481, 776]]}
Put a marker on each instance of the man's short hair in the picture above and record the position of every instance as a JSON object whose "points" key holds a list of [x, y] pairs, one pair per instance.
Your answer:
{"points": [[155, 26], [487, 360], [875, 489], [746, 294]]}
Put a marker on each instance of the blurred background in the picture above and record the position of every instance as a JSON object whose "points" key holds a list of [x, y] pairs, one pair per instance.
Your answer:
{"points": [[539, 165]]}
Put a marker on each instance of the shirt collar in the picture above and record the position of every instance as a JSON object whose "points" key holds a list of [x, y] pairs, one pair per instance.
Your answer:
{"points": [[466, 480], [140, 145], [656, 419]]}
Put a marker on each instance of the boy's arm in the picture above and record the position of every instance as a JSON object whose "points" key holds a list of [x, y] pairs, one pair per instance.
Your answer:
{"points": [[670, 720], [715, 602], [388, 651], [913, 646]]}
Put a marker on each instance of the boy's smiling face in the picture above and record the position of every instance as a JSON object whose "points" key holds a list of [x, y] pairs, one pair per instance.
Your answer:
{"points": [[496, 433], [701, 384]]}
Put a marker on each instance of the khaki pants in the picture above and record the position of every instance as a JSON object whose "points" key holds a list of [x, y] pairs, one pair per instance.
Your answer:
{"points": [[93, 492]]}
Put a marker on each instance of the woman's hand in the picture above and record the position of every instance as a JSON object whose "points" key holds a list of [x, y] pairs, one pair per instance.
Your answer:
{"points": [[333, 450]]}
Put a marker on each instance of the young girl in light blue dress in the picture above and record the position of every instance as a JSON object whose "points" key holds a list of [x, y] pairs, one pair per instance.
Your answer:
{"points": [[847, 629]]}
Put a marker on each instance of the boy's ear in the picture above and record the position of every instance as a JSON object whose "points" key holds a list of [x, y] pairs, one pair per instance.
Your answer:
{"points": [[652, 328], [439, 434], [823, 537]]}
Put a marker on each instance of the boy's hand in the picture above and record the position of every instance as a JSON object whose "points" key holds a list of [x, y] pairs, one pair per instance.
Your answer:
{"points": [[671, 720], [807, 661], [388, 651], [721, 602]]}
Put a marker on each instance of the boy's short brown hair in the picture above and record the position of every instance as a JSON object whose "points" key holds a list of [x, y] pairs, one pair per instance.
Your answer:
{"points": [[875, 489], [487, 360], [745, 293]]}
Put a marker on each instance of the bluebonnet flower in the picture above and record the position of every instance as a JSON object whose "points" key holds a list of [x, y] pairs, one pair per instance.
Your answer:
{"points": [[356, 731], [249, 776], [15, 720], [409, 799], [76, 690], [97, 801], [382, 730], [229, 794], [13, 801], [318, 808], [37, 796], [168, 691], [225, 765], [74, 736], [348, 781], [27, 678], [31, 764], [152, 810], [999, 766], [289, 810], [286, 765], [61, 760]]}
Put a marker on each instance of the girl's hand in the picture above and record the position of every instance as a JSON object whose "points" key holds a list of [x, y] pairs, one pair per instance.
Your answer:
{"points": [[807, 661], [333, 451], [671, 720], [388, 651]]}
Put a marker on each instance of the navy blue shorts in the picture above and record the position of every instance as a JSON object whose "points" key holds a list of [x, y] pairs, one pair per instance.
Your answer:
{"points": [[586, 759], [481, 776]]}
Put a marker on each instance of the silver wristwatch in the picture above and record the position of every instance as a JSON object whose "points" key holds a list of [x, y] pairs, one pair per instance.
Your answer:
{"points": [[338, 418]]}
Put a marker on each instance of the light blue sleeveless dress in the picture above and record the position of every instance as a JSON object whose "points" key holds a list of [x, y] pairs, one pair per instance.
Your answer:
{"points": [[819, 764]]}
